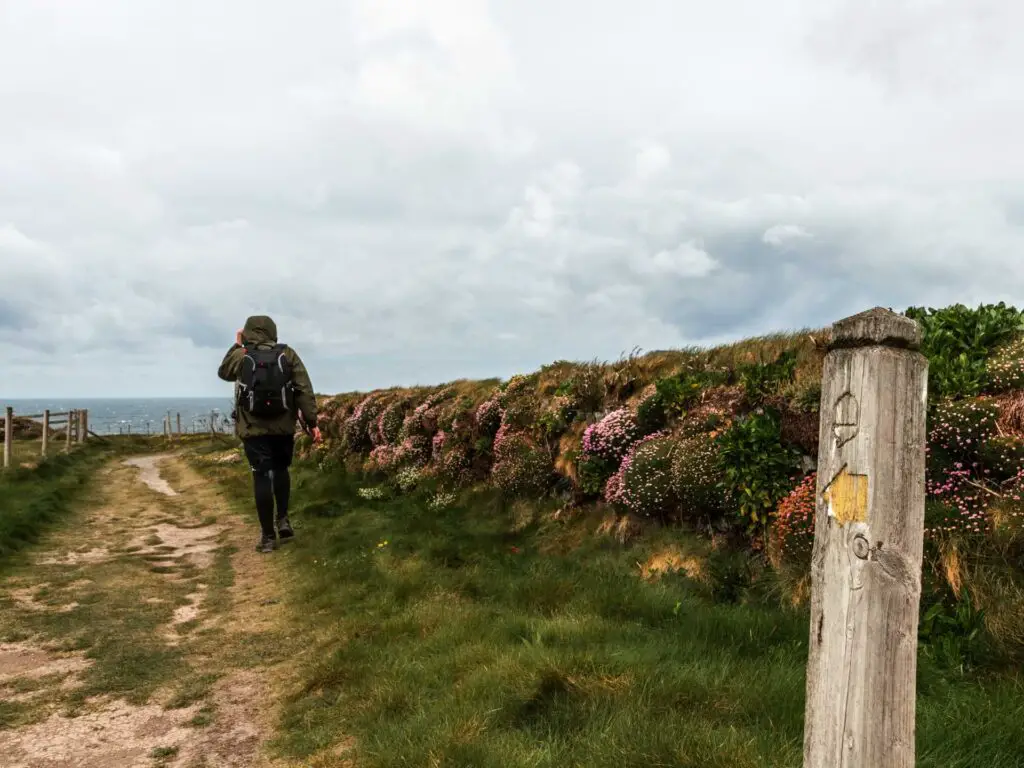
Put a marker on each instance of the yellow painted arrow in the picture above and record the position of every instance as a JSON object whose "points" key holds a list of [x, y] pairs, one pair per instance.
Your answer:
{"points": [[847, 497]]}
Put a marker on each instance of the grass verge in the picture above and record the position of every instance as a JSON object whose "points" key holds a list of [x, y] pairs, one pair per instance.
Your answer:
{"points": [[468, 636], [31, 500]]}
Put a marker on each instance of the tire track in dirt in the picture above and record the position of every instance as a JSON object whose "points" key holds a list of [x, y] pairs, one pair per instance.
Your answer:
{"points": [[149, 580]]}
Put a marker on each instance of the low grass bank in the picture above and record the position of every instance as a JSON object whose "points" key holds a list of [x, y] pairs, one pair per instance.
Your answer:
{"points": [[32, 499], [480, 634]]}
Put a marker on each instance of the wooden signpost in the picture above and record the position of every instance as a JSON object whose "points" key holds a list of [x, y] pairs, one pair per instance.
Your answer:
{"points": [[869, 528]]}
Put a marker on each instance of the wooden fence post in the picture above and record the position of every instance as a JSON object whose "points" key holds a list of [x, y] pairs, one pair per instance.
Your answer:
{"points": [[46, 430], [70, 424], [179, 425], [8, 436], [83, 425], [213, 429], [866, 562]]}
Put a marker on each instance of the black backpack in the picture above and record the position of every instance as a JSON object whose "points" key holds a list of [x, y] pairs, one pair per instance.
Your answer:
{"points": [[265, 383]]}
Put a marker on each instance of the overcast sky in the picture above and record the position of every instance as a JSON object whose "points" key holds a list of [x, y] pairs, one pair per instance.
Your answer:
{"points": [[419, 190]]}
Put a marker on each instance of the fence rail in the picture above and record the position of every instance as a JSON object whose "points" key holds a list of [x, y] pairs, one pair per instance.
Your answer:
{"points": [[75, 423], [74, 428]]}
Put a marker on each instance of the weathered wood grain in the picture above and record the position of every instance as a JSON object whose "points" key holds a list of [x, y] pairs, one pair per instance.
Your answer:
{"points": [[866, 565]]}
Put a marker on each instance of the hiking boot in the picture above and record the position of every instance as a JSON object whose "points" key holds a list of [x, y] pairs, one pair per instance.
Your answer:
{"points": [[284, 528], [267, 544]]}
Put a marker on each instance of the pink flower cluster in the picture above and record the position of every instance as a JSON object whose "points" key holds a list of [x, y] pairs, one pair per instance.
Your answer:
{"points": [[357, 427], [388, 426], [455, 465], [645, 494], [383, 457], [520, 467], [1006, 369], [958, 489], [501, 441], [423, 418], [414, 449], [514, 386], [793, 525], [489, 413], [611, 437], [437, 444], [961, 427]]}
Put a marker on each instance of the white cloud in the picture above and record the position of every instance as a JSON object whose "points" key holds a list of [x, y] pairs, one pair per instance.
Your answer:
{"points": [[651, 161], [782, 235], [419, 191], [685, 260]]}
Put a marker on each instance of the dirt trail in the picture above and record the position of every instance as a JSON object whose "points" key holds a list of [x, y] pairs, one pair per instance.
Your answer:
{"points": [[146, 633]]}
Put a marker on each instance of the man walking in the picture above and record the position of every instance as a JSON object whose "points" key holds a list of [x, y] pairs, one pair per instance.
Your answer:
{"points": [[271, 388]]}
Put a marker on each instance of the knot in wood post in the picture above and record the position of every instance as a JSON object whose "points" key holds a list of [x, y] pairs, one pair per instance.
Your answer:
{"points": [[869, 529]]}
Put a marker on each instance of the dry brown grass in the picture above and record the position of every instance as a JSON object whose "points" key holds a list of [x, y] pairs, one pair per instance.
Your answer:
{"points": [[1011, 414], [623, 380], [672, 561]]}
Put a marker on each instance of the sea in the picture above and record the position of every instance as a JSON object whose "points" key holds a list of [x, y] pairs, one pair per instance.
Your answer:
{"points": [[109, 416]]}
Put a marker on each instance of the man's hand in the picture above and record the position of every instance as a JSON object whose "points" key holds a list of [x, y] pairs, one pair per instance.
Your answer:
{"points": [[238, 338], [317, 437]]}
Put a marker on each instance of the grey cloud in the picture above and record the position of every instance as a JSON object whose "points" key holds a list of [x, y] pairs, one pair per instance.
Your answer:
{"points": [[418, 193]]}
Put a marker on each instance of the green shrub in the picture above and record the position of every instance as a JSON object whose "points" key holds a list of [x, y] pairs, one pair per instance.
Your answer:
{"points": [[761, 380], [586, 389], [958, 342], [556, 419], [672, 396], [952, 633], [593, 473], [697, 478], [651, 414], [758, 469]]}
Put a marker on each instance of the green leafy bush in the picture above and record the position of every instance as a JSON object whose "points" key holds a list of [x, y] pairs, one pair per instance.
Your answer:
{"points": [[593, 473], [953, 633], [758, 469], [958, 340], [761, 380], [697, 478], [673, 395], [557, 417], [651, 414], [585, 389]]}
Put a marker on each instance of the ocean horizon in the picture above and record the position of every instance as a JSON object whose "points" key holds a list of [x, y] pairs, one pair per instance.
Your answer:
{"points": [[137, 415]]}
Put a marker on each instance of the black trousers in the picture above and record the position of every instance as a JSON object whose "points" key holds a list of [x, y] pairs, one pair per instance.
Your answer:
{"points": [[269, 457]]}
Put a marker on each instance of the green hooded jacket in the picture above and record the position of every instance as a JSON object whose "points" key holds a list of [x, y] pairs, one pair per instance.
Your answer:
{"points": [[261, 331]]}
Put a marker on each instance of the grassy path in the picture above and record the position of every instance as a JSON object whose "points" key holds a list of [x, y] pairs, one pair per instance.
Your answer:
{"points": [[142, 631]]}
